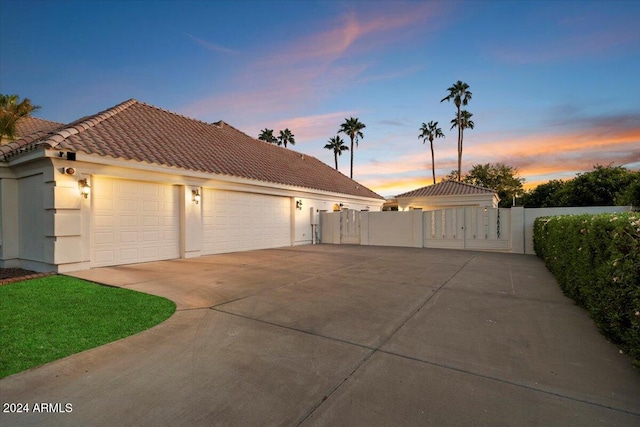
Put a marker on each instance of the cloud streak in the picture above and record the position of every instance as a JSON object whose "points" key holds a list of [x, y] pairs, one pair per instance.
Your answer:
{"points": [[211, 46], [300, 75]]}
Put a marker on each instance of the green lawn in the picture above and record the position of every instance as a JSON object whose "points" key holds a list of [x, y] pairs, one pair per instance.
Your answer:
{"points": [[45, 319]]}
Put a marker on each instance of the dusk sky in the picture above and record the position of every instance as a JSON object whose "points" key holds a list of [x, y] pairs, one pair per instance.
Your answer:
{"points": [[556, 85]]}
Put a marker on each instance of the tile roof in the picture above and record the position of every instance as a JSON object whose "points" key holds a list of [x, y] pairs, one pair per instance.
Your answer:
{"points": [[137, 131], [447, 188], [29, 125]]}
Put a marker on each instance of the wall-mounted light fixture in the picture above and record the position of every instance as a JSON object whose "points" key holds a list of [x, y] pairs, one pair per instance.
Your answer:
{"points": [[195, 196], [299, 205], [85, 189]]}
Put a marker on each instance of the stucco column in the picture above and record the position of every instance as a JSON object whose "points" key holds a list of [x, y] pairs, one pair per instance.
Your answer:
{"points": [[517, 230], [191, 221], [9, 239]]}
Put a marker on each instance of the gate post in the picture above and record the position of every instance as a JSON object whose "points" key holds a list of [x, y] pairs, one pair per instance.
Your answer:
{"points": [[517, 230]]}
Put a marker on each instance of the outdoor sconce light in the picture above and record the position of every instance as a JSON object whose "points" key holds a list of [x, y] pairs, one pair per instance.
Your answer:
{"points": [[85, 189], [299, 205], [195, 196]]}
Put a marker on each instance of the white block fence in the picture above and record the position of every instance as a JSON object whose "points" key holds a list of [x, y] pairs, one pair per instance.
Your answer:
{"points": [[475, 228]]}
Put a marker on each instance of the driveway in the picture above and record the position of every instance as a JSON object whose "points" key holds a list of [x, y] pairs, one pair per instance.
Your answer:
{"points": [[343, 335]]}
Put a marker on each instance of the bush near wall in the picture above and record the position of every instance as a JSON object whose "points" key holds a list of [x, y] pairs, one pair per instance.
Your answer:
{"points": [[596, 260]]}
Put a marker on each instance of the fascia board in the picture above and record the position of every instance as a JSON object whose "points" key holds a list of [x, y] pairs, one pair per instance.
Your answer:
{"points": [[220, 181]]}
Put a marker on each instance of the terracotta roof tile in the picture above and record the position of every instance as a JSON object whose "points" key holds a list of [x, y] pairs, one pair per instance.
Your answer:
{"points": [[447, 188], [29, 125], [138, 131]]}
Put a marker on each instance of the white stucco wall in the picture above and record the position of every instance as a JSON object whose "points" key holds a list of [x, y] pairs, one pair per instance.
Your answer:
{"points": [[392, 228], [9, 236], [191, 220], [31, 219]]}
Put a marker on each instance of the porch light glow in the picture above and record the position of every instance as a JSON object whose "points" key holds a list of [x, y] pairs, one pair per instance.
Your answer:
{"points": [[85, 189], [195, 194]]}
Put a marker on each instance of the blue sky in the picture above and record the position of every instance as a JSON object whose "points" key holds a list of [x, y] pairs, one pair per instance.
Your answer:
{"points": [[555, 84]]}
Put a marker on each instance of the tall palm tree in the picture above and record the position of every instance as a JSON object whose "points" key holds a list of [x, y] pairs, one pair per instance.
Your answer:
{"points": [[352, 127], [431, 131], [460, 94], [267, 136], [12, 110], [462, 121], [286, 137], [337, 145]]}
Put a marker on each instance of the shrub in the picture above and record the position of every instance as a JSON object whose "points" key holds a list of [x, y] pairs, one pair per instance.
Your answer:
{"points": [[596, 260]]}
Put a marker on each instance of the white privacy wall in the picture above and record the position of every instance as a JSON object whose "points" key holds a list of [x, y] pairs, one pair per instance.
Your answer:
{"points": [[475, 228], [390, 228]]}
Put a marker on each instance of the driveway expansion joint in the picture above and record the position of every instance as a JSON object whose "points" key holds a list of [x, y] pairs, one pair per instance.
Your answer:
{"points": [[511, 383], [598, 388]]}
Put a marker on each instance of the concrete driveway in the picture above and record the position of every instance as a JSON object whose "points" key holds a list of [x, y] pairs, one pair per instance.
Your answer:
{"points": [[343, 335]]}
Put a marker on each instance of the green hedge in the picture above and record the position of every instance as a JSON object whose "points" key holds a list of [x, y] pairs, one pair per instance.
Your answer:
{"points": [[596, 260]]}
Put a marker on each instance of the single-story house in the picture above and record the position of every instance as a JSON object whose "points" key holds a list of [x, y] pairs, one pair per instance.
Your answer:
{"points": [[447, 194], [137, 183]]}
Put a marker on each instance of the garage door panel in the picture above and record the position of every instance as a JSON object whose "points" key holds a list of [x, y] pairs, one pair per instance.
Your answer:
{"points": [[126, 220], [128, 237], [103, 257], [103, 238], [235, 221], [129, 256], [150, 253], [103, 221], [133, 222], [151, 221]]}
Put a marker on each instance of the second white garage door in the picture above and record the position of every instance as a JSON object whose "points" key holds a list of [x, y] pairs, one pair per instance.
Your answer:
{"points": [[235, 221], [133, 222]]}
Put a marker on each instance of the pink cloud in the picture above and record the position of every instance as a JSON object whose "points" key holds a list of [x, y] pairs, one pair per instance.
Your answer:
{"points": [[314, 127], [304, 72], [329, 45]]}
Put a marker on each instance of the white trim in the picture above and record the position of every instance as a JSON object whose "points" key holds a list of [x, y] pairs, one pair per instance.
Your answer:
{"points": [[209, 179]]}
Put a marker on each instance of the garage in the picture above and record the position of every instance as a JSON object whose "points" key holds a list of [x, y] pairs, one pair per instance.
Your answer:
{"points": [[133, 222], [236, 221]]}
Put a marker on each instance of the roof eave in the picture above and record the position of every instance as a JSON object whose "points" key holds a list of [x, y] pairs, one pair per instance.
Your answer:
{"points": [[203, 176]]}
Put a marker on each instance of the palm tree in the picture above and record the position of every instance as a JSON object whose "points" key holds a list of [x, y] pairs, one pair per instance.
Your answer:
{"points": [[337, 145], [286, 137], [460, 94], [431, 131], [267, 136], [11, 111], [462, 121], [352, 127]]}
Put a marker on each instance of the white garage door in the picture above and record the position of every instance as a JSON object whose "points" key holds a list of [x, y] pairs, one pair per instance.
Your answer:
{"points": [[133, 222], [235, 221]]}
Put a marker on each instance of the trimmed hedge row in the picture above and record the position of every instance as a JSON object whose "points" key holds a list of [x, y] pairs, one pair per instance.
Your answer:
{"points": [[596, 260]]}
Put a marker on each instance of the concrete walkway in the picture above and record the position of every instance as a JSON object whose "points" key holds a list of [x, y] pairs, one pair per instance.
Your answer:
{"points": [[343, 335]]}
